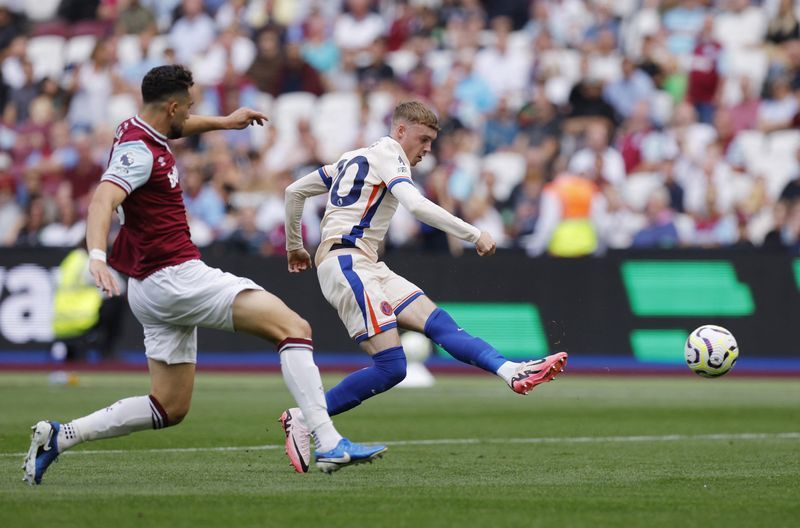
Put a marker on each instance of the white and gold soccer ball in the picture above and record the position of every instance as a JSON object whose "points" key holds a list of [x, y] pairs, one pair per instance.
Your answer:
{"points": [[711, 351]]}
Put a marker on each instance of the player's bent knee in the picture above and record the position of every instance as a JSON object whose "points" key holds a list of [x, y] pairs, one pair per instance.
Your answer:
{"points": [[392, 364], [294, 326]]}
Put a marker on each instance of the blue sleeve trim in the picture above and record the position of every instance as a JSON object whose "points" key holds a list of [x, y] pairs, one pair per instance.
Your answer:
{"points": [[398, 180], [327, 180]]}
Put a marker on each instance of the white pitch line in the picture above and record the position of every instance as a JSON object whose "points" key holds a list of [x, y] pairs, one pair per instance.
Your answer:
{"points": [[460, 441]]}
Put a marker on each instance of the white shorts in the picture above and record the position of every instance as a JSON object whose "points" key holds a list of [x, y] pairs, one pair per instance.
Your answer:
{"points": [[172, 302], [366, 294]]}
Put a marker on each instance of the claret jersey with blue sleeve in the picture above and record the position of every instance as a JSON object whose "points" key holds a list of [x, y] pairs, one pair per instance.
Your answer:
{"points": [[360, 205]]}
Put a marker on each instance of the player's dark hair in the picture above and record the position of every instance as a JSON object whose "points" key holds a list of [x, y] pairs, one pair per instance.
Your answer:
{"points": [[164, 81]]}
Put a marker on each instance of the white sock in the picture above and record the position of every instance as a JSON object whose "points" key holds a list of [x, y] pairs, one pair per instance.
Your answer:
{"points": [[301, 376], [321, 432], [507, 369], [122, 418]]}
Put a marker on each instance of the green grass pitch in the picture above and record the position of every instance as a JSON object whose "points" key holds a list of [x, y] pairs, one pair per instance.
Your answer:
{"points": [[581, 451]]}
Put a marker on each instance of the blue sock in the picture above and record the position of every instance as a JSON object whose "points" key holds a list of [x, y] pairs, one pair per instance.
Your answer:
{"points": [[444, 331], [389, 370]]}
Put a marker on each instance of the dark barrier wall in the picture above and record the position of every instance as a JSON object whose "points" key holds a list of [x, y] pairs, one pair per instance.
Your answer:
{"points": [[639, 304]]}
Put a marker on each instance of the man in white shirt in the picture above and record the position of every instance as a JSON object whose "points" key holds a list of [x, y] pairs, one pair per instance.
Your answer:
{"points": [[365, 187]]}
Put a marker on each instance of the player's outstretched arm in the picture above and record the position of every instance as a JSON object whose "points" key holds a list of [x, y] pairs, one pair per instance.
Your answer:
{"points": [[105, 200], [238, 119], [428, 212], [311, 184]]}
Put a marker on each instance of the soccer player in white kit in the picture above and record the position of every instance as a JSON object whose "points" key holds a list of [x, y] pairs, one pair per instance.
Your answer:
{"points": [[365, 187], [172, 292]]}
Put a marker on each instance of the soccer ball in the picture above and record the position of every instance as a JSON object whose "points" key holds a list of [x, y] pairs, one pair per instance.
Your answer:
{"points": [[711, 351]]}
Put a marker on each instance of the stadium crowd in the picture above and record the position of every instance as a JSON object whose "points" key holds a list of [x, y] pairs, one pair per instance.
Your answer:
{"points": [[568, 127]]}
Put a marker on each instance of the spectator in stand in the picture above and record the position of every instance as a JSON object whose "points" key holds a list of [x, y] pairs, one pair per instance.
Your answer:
{"points": [[296, 75], [67, 230], [265, 71], [375, 74], [358, 26], [76, 10], [744, 114], [134, 18], [598, 161], [714, 227], [684, 22], [9, 27], [32, 223], [784, 27], [203, 202], [501, 66], [586, 104], [193, 33], [633, 87], [19, 100], [318, 48], [777, 111], [526, 195], [660, 231], [540, 125], [704, 79], [85, 173], [10, 212], [247, 237], [636, 140], [500, 129], [94, 86]]}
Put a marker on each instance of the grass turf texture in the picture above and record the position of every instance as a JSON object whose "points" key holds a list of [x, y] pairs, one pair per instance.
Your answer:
{"points": [[139, 480]]}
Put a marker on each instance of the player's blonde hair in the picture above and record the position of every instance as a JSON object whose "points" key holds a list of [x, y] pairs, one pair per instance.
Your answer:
{"points": [[415, 112]]}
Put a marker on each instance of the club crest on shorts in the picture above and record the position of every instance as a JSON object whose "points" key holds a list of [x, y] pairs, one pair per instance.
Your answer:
{"points": [[386, 308]]}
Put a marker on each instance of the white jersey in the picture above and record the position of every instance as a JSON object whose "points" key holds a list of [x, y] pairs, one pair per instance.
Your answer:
{"points": [[364, 187], [360, 205]]}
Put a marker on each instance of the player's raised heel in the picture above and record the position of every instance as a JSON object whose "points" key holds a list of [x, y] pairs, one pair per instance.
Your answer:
{"points": [[346, 453], [532, 373], [42, 452], [297, 444]]}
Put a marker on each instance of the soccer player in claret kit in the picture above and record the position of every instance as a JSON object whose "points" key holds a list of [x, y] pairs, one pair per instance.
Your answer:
{"points": [[365, 187], [172, 292]]}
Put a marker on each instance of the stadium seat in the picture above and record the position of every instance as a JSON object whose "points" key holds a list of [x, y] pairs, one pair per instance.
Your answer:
{"points": [[46, 53], [519, 42], [753, 146], [41, 10], [742, 185], [158, 46], [661, 106], [120, 107], [638, 187], [289, 108], [566, 62], [784, 144], [381, 105], [777, 173], [508, 169], [684, 224], [402, 61], [440, 61], [336, 122], [80, 48], [128, 50]]}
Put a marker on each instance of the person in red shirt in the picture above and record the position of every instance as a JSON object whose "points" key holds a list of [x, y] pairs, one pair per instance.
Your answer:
{"points": [[172, 292], [704, 79]]}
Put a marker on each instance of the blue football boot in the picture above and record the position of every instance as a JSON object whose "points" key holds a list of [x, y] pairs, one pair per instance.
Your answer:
{"points": [[43, 451], [346, 453]]}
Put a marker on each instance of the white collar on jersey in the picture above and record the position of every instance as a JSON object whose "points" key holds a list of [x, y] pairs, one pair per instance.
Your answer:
{"points": [[138, 121]]}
